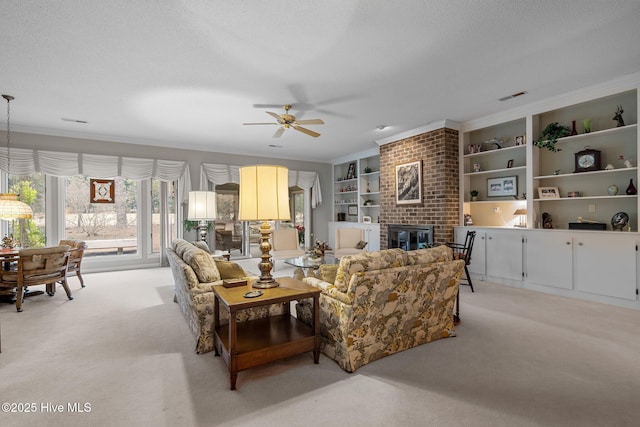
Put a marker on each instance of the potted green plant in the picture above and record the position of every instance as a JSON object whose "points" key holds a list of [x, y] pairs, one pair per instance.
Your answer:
{"points": [[474, 195], [550, 136], [368, 170]]}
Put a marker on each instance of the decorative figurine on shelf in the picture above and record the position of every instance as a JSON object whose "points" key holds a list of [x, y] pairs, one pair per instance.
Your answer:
{"points": [[8, 242], [547, 221], [618, 116]]}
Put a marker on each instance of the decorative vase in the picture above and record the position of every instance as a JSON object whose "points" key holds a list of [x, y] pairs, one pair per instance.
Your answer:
{"points": [[612, 190], [631, 189], [573, 128], [587, 125]]}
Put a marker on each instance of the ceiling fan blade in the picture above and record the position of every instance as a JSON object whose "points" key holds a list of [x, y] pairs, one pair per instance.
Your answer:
{"points": [[261, 123], [310, 122], [278, 133], [274, 115], [307, 131]]}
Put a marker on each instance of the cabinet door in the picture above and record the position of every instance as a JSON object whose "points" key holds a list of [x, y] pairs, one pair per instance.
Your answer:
{"points": [[549, 259], [372, 236], [504, 254], [605, 265], [478, 252]]}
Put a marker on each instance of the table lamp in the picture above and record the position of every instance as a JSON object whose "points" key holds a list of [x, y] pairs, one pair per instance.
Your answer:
{"points": [[202, 208], [522, 213], [264, 196]]}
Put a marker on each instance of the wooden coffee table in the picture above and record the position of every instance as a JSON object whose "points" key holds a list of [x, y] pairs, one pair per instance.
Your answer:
{"points": [[244, 345]]}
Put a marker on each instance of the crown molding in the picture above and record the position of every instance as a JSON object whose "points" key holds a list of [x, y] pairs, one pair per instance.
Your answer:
{"points": [[446, 123]]}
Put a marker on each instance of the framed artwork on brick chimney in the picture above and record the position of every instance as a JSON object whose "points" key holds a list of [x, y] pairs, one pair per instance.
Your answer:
{"points": [[409, 183]]}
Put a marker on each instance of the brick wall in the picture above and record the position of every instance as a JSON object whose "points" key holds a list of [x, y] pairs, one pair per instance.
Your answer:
{"points": [[438, 151]]}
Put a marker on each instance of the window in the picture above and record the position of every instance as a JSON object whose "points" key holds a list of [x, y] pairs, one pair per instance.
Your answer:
{"points": [[108, 228], [297, 204], [162, 206], [29, 232]]}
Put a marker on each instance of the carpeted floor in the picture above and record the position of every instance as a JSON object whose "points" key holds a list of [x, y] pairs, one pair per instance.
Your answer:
{"points": [[521, 358]]}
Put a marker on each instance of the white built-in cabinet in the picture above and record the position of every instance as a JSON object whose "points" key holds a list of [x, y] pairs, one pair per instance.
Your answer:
{"points": [[549, 258], [504, 254], [606, 265], [599, 266]]}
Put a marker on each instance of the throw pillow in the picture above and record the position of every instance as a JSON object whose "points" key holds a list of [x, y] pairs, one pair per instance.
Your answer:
{"points": [[361, 244], [201, 245], [327, 272], [230, 270], [202, 264]]}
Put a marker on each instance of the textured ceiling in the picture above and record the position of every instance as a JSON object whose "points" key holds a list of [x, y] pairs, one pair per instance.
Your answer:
{"points": [[188, 73]]}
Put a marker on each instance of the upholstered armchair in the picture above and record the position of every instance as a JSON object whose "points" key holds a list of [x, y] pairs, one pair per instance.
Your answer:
{"points": [[285, 243], [348, 240], [75, 258], [42, 266]]}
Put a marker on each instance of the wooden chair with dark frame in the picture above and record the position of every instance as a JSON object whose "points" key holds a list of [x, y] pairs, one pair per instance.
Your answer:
{"points": [[463, 251]]}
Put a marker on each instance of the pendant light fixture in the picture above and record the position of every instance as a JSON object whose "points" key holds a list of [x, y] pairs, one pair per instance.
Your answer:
{"points": [[10, 206]]}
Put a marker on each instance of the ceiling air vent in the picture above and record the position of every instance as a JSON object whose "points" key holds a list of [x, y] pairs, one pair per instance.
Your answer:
{"points": [[504, 98]]}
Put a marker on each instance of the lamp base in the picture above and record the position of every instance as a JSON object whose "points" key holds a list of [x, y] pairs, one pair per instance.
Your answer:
{"points": [[265, 280], [202, 229]]}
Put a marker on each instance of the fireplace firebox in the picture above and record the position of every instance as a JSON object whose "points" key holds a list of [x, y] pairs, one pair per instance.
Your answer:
{"points": [[410, 237]]}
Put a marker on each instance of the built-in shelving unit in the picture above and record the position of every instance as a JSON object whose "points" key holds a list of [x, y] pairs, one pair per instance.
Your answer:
{"points": [[489, 150], [356, 189]]}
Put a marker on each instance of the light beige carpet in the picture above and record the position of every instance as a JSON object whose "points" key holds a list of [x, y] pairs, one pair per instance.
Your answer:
{"points": [[521, 358]]}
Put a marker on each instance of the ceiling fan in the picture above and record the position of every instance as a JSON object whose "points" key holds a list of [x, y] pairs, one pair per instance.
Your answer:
{"points": [[286, 121]]}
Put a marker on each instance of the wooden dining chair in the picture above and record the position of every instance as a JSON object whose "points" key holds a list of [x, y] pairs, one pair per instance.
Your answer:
{"points": [[75, 258], [42, 266]]}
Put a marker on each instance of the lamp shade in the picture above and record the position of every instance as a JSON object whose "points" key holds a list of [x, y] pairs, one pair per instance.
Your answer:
{"points": [[264, 193], [12, 208], [520, 212], [202, 206]]}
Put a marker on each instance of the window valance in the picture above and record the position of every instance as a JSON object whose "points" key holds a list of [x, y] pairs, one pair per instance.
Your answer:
{"points": [[221, 174], [25, 162]]}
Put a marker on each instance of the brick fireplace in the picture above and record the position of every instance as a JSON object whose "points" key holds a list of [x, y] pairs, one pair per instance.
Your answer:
{"points": [[438, 150]]}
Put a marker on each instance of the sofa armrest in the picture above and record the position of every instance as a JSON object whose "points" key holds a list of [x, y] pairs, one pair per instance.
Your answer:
{"points": [[202, 287], [328, 289]]}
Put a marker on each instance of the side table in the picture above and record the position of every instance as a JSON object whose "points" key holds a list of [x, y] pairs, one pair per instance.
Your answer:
{"points": [[247, 344]]}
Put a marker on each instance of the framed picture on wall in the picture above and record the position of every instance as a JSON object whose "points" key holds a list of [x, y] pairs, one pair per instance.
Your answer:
{"points": [[352, 210], [409, 183], [505, 186], [102, 190]]}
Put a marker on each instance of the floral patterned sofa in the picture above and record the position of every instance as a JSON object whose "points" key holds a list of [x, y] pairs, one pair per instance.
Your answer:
{"points": [[195, 273], [384, 302]]}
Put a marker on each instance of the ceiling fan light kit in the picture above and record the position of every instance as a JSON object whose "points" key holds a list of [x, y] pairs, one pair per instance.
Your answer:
{"points": [[287, 121]]}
